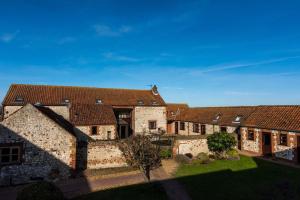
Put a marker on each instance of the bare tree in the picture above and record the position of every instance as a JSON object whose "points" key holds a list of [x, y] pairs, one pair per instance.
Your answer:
{"points": [[140, 152]]}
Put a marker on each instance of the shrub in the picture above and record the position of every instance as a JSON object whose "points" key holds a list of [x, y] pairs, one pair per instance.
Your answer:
{"points": [[165, 153], [182, 159], [189, 155], [41, 190], [202, 158], [233, 154], [219, 143]]}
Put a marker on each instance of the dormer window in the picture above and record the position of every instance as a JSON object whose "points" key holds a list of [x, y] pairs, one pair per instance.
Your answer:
{"points": [[172, 113], [98, 101], [19, 99], [140, 102], [237, 119], [217, 117]]}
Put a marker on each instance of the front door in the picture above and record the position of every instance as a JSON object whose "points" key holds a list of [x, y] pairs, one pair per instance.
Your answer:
{"points": [[176, 127], [266, 144]]}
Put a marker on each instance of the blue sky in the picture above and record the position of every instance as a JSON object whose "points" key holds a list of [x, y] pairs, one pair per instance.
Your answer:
{"points": [[205, 53]]}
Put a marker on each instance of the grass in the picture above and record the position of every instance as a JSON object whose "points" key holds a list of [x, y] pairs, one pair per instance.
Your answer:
{"points": [[143, 191], [247, 178]]}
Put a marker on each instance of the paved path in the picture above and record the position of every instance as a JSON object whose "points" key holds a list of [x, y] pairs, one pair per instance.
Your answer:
{"points": [[173, 188], [75, 187]]}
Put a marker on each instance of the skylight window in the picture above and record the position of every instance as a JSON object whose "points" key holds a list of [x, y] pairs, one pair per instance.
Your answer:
{"points": [[19, 99], [154, 103], [140, 102], [66, 101], [99, 101]]}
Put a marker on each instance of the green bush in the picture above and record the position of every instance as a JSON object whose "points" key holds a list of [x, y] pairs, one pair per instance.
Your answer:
{"points": [[233, 154], [165, 153], [41, 191], [219, 143], [182, 159], [202, 158]]}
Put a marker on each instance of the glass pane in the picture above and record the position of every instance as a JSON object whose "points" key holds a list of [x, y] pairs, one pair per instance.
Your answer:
{"points": [[5, 151], [14, 158], [15, 151], [5, 159]]}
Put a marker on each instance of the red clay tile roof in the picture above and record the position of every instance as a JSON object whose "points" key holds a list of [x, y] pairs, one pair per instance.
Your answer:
{"points": [[174, 110], [55, 95], [227, 115], [92, 114], [275, 117]]}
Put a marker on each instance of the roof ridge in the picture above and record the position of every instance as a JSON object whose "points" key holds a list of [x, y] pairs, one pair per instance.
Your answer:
{"points": [[69, 86]]}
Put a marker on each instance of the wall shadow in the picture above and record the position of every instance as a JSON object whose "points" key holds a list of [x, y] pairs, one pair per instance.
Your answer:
{"points": [[262, 180], [36, 164]]}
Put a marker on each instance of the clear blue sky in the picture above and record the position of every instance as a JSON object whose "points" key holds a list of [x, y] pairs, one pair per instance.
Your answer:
{"points": [[205, 53]]}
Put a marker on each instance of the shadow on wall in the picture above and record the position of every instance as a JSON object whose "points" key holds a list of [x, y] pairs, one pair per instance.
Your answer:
{"points": [[257, 179], [30, 163]]}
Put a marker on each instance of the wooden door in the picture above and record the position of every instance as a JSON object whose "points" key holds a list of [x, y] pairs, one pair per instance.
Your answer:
{"points": [[298, 149], [266, 144], [176, 128]]}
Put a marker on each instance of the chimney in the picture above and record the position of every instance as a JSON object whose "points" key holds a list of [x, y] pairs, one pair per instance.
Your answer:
{"points": [[154, 90]]}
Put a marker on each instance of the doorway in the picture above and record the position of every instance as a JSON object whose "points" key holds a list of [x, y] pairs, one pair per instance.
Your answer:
{"points": [[123, 131], [176, 128], [298, 149], [266, 144]]}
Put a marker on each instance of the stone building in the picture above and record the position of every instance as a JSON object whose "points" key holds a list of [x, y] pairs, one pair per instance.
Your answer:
{"points": [[261, 130], [273, 130], [49, 131]]}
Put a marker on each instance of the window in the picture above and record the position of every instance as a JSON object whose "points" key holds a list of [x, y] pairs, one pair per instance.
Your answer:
{"points": [[182, 126], [283, 139], [140, 102], [66, 101], [172, 113], [94, 130], [108, 135], [19, 99], [98, 101], [203, 129], [124, 115], [154, 103], [152, 125], [238, 119], [223, 129], [196, 128], [10, 154], [250, 135]]}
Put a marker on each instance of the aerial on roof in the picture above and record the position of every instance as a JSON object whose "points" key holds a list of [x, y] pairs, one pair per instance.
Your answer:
{"points": [[92, 114], [275, 117], [19, 94], [175, 109]]}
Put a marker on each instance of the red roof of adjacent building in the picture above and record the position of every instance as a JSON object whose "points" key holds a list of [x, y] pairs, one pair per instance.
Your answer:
{"points": [[92, 114], [57, 95], [275, 117]]}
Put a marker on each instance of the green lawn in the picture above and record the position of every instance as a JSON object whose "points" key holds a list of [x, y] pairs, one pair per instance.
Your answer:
{"points": [[135, 192], [248, 178]]}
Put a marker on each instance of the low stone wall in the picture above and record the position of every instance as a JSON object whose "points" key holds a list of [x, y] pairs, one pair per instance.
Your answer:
{"points": [[193, 146], [104, 154]]}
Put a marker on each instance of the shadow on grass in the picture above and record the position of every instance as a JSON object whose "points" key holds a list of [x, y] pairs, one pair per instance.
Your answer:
{"points": [[147, 191], [249, 178]]}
